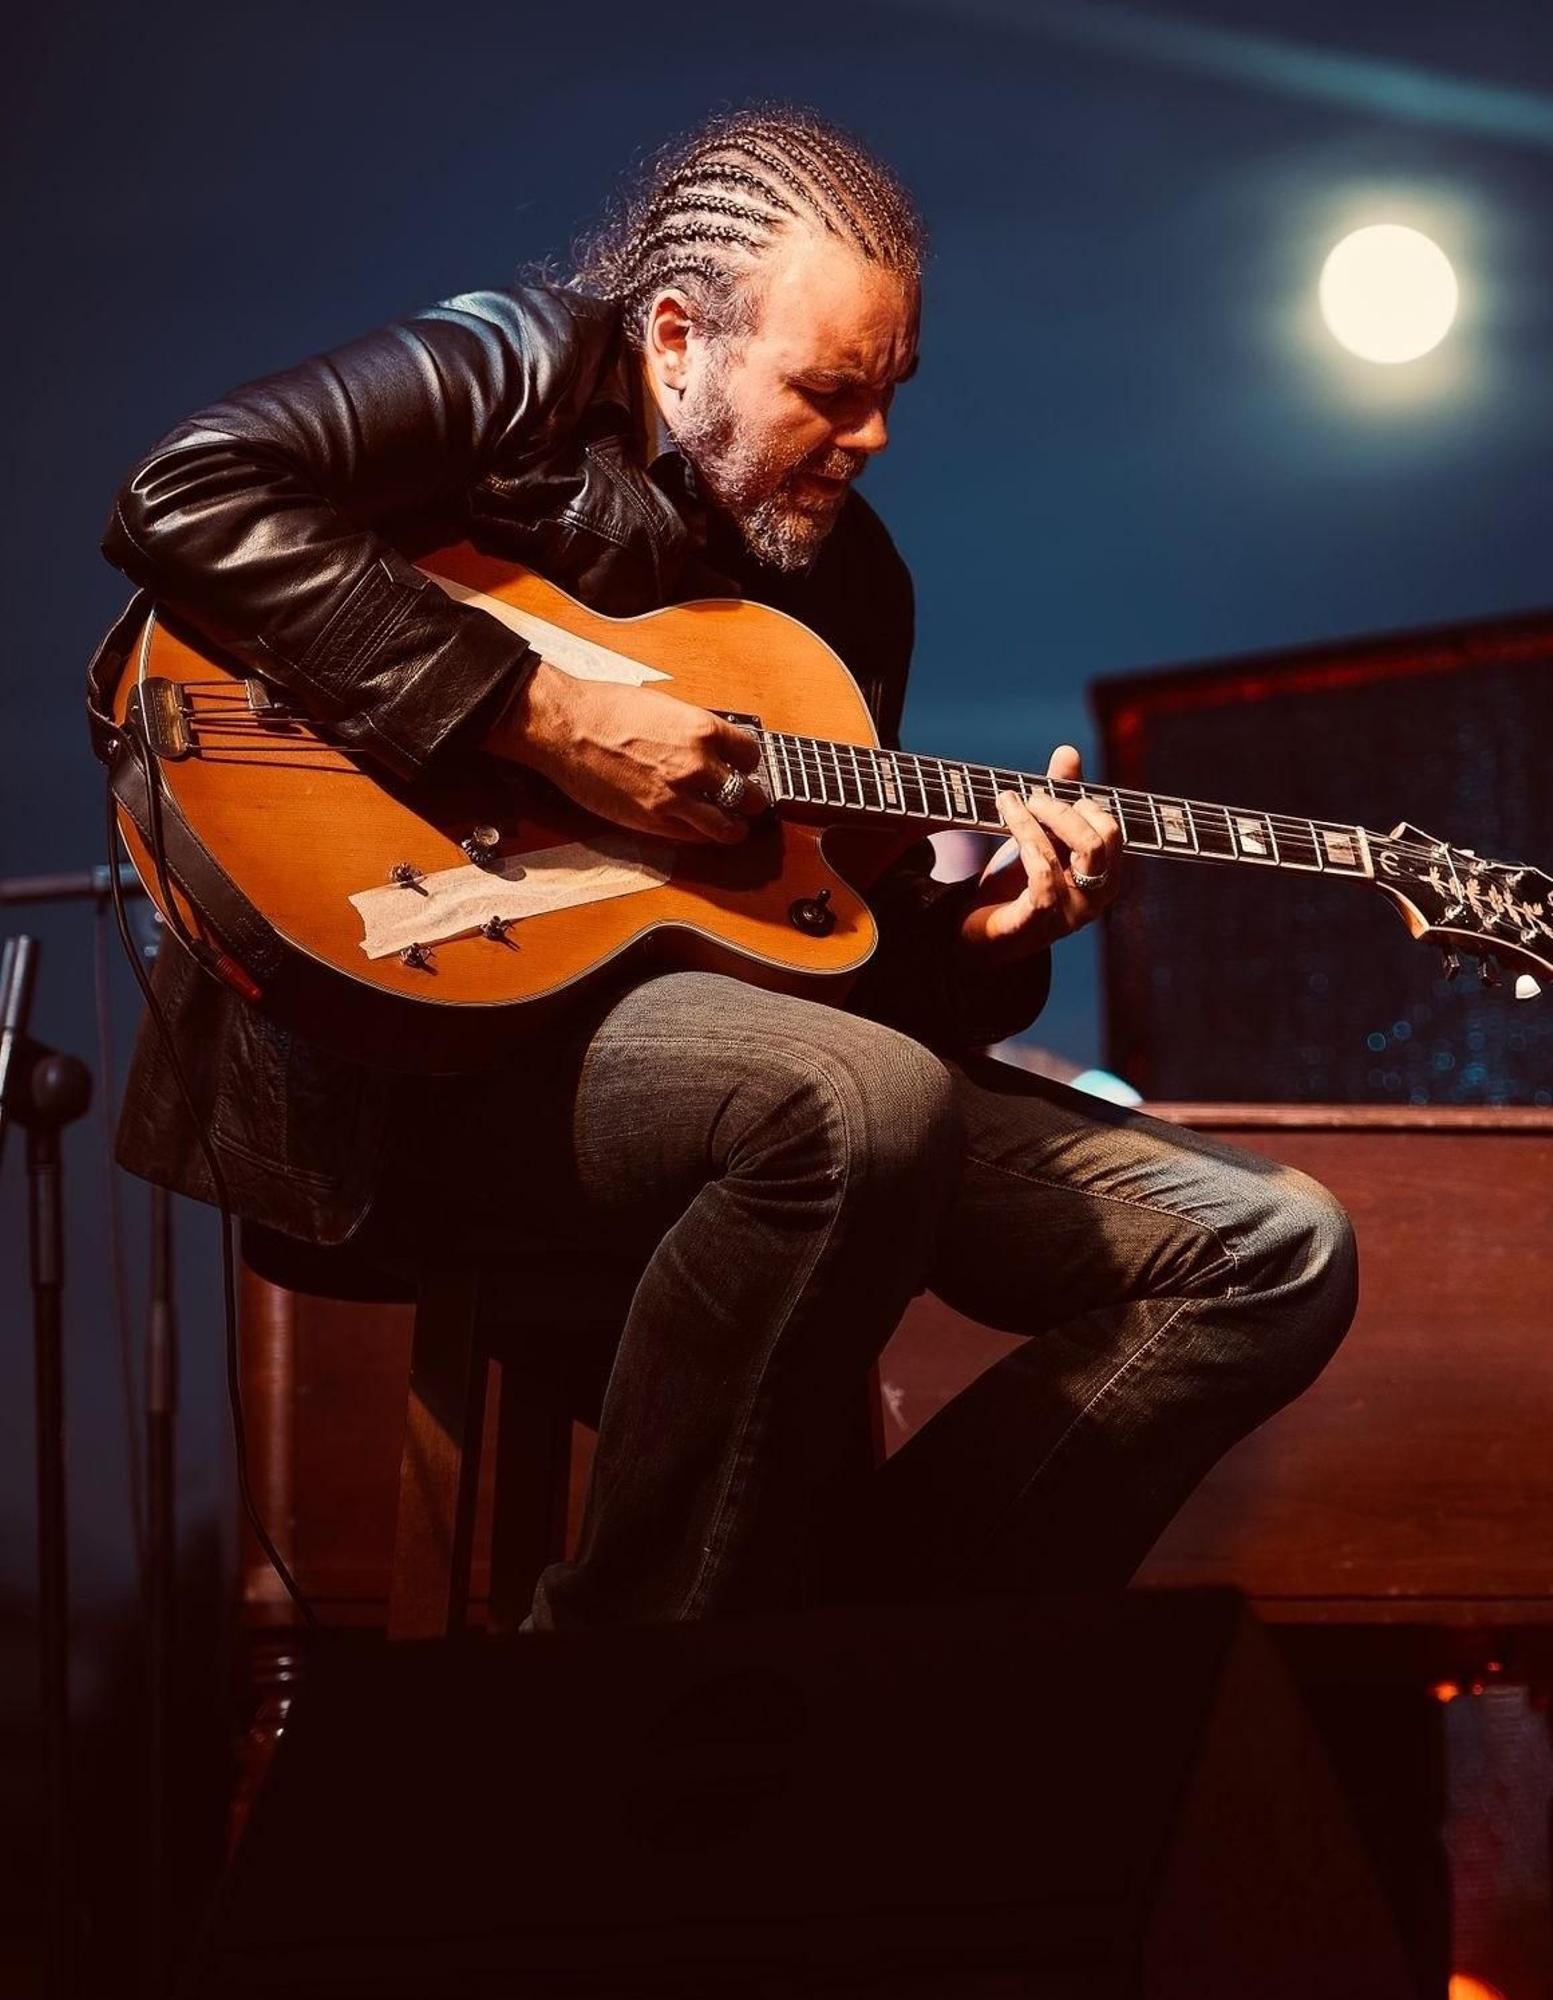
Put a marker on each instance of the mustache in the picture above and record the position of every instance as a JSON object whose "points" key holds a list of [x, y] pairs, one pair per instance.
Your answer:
{"points": [[837, 463]]}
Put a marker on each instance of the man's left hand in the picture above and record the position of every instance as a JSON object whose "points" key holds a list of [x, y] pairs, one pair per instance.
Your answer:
{"points": [[1036, 896]]}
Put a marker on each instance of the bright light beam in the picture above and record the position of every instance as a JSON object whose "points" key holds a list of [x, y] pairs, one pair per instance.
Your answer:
{"points": [[1275, 63]]}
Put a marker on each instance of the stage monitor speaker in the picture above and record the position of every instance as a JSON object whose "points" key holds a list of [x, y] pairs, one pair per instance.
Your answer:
{"points": [[1044, 1797], [1247, 983]]}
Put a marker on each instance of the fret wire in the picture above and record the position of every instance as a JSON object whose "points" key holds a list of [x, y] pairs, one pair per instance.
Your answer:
{"points": [[770, 783], [794, 758], [817, 773], [841, 774], [807, 765], [820, 774], [873, 771], [857, 773], [787, 774], [841, 782], [803, 771]]}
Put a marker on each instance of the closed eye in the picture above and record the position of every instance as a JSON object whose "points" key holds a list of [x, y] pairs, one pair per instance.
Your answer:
{"points": [[827, 392]]}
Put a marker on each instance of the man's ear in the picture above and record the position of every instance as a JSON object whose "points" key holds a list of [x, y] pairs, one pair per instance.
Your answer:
{"points": [[667, 340]]}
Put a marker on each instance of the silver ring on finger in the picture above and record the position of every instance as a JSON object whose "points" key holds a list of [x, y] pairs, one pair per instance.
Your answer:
{"points": [[730, 793], [1089, 883]]}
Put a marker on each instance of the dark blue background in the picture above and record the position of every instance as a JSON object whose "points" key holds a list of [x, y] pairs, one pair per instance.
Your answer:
{"points": [[1130, 441]]}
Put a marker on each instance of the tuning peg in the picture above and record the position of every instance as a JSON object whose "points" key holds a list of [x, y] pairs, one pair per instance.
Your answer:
{"points": [[1526, 988], [1452, 963]]}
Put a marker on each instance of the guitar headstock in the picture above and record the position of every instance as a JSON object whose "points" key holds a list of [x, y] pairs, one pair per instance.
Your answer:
{"points": [[1496, 911]]}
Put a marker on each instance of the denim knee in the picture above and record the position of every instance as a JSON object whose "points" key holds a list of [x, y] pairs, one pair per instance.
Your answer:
{"points": [[874, 1106], [1317, 1265]]}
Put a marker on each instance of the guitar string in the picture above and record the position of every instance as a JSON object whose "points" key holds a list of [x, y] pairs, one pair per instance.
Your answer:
{"points": [[982, 779], [813, 750]]}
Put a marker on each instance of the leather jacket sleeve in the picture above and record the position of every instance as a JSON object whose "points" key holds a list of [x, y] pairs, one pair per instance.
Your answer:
{"points": [[265, 520], [920, 981]]}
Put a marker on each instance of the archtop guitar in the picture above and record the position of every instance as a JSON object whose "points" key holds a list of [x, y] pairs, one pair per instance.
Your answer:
{"points": [[425, 927]]}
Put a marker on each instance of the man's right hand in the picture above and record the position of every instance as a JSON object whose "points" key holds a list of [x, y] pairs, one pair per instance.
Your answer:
{"points": [[633, 755]]}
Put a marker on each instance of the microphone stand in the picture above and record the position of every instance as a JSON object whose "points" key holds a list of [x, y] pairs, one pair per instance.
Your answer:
{"points": [[95, 885], [43, 1091], [161, 1397]]}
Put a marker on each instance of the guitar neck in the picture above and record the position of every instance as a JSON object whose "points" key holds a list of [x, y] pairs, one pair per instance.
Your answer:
{"points": [[861, 782]]}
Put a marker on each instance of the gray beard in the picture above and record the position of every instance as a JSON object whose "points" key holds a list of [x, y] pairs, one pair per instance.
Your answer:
{"points": [[754, 487]]}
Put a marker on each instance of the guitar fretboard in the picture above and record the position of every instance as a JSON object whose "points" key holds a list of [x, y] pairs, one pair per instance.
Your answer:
{"points": [[851, 778]]}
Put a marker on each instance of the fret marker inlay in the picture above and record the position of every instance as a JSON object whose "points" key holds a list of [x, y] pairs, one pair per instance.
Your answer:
{"points": [[1340, 848]]}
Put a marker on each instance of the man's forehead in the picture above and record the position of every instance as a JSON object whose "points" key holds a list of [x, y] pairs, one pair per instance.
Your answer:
{"points": [[831, 310]]}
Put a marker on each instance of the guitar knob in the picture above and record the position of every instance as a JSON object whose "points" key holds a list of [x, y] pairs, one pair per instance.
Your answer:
{"points": [[1452, 963], [496, 929], [480, 844], [813, 914], [417, 956], [407, 875], [1488, 971], [1526, 988]]}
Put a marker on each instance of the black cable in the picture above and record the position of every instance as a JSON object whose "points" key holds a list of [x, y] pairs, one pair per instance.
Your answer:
{"points": [[118, 1283], [261, 1534]]}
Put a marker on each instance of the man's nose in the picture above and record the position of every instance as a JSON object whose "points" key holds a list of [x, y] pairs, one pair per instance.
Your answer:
{"points": [[870, 433]]}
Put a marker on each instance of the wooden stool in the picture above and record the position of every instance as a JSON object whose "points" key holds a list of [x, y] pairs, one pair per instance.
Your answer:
{"points": [[465, 1317]]}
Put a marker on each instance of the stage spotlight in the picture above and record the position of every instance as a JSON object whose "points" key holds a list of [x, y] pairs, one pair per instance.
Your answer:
{"points": [[1388, 293]]}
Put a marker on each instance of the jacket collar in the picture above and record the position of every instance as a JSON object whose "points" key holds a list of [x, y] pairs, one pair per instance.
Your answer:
{"points": [[652, 442]]}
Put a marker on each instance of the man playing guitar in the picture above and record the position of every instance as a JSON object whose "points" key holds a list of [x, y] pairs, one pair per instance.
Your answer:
{"points": [[759, 1183]]}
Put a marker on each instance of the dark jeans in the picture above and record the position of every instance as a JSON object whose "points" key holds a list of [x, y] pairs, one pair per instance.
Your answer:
{"points": [[756, 1186]]}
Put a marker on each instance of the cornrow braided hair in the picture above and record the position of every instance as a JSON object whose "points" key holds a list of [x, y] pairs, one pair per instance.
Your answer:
{"points": [[708, 208]]}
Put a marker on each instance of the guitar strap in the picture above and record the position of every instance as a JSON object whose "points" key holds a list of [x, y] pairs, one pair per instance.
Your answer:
{"points": [[249, 953], [248, 945]]}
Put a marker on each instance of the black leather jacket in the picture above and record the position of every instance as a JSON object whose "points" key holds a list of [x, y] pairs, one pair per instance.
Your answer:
{"points": [[280, 522]]}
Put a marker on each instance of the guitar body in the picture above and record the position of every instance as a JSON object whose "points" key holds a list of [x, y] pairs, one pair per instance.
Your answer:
{"points": [[299, 827]]}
